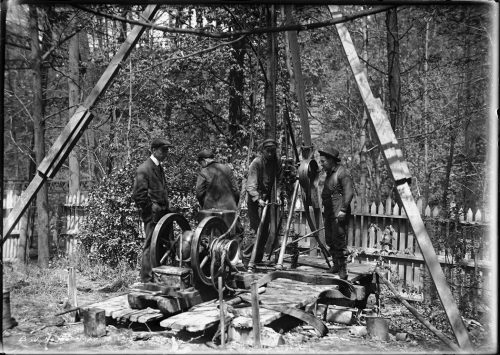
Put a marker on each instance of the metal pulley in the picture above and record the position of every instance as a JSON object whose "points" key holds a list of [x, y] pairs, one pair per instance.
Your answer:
{"points": [[208, 250], [308, 173], [170, 242]]}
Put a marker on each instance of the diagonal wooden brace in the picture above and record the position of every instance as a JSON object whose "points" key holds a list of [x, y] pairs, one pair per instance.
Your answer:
{"points": [[400, 173]]}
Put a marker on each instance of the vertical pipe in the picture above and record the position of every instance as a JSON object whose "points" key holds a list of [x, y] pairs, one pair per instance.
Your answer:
{"points": [[291, 208]]}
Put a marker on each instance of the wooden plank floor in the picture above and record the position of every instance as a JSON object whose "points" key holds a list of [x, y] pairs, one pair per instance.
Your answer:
{"points": [[119, 309], [205, 315], [278, 292]]}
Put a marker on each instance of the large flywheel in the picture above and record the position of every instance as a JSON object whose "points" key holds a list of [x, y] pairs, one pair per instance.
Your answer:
{"points": [[202, 256], [170, 241]]}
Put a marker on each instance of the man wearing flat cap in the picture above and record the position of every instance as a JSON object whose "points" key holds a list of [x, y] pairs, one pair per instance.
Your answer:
{"points": [[263, 172], [216, 186], [336, 197], [151, 197]]}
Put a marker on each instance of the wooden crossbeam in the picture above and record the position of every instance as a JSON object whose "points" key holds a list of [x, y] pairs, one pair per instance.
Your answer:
{"points": [[62, 146], [401, 175]]}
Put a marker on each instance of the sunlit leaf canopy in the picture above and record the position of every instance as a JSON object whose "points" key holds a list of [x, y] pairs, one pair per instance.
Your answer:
{"points": [[199, 76]]}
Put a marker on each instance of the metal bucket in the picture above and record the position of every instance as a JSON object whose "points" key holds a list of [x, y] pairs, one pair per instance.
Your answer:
{"points": [[378, 327], [7, 321]]}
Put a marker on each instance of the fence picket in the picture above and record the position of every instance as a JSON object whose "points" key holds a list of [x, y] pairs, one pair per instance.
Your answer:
{"points": [[469, 215], [388, 206], [478, 217], [395, 211], [380, 209], [427, 212], [435, 212]]}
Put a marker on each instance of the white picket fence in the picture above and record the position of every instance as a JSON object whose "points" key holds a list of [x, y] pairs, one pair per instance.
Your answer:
{"points": [[12, 243]]}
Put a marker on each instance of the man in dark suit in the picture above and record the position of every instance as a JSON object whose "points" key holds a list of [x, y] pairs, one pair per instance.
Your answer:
{"points": [[151, 197]]}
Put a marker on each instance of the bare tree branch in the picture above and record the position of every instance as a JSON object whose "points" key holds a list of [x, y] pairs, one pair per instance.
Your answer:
{"points": [[204, 33]]}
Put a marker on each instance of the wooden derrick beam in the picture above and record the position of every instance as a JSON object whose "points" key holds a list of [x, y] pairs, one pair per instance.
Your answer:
{"points": [[401, 175], [65, 142]]}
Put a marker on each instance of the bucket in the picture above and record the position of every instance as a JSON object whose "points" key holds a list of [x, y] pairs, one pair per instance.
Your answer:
{"points": [[339, 315], [7, 321], [378, 327]]}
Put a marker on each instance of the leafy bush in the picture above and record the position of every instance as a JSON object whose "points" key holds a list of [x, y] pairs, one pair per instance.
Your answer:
{"points": [[112, 229]]}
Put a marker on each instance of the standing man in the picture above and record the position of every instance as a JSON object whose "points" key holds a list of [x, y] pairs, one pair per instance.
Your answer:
{"points": [[216, 185], [263, 172], [151, 196], [336, 196]]}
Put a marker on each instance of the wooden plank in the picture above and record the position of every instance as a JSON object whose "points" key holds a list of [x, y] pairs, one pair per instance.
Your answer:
{"points": [[269, 338], [400, 173], [197, 319], [112, 304], [76, 125], [371, 238], [409, 274]]}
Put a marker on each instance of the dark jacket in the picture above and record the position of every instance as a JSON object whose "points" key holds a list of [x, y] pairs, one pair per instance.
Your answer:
{"points": [[150, 190], [261, 176], [216, 187], [337, 191]]}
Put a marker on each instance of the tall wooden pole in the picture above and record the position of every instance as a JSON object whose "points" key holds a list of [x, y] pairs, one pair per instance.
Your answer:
{"points": [[75, 127], [299, 84], [401, 175]]}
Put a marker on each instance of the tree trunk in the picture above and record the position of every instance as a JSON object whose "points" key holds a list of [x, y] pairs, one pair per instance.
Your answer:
{"points": [[364, 121], [426, 187], [394, 70], [39, 132], [73, 100], [270, 87], [236, 86], [449, 163], [471, 131], [88, 78]]}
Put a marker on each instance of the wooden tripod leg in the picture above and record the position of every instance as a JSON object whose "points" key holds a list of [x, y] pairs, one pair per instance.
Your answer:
{"points": [[291, 209]]}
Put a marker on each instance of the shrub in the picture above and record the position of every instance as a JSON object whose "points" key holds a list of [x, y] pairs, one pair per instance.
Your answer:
{"points": [[112, 228]]}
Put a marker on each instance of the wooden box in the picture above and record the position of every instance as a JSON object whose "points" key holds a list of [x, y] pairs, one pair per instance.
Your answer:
{"points": [[173, 276]]}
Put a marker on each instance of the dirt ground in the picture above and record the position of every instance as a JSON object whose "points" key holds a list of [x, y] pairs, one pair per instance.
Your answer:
{"points": [[34, 304]]}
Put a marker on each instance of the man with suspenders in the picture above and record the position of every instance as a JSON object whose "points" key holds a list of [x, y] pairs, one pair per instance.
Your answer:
{"points": [[336, 197]]}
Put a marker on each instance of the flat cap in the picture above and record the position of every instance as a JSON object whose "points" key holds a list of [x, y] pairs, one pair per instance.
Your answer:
{"points": [[160, 142], [330, 152], [269, 143], [205, 153]]}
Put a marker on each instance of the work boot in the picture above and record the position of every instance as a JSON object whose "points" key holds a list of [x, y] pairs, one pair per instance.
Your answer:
{"points": [[339, 267], [335, 268]]}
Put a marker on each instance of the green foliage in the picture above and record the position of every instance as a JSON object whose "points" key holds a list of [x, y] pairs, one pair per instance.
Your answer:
{"points": [[111, 231]]}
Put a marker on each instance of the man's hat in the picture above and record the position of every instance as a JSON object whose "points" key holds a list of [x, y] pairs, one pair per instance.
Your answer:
{"points": [[160, 142], [269, 143], [330, 152], [205, 153]]}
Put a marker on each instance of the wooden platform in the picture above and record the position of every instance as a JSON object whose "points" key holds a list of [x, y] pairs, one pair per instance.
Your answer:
{"points": [[278, 292], [282, 292], [118, 308]]}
